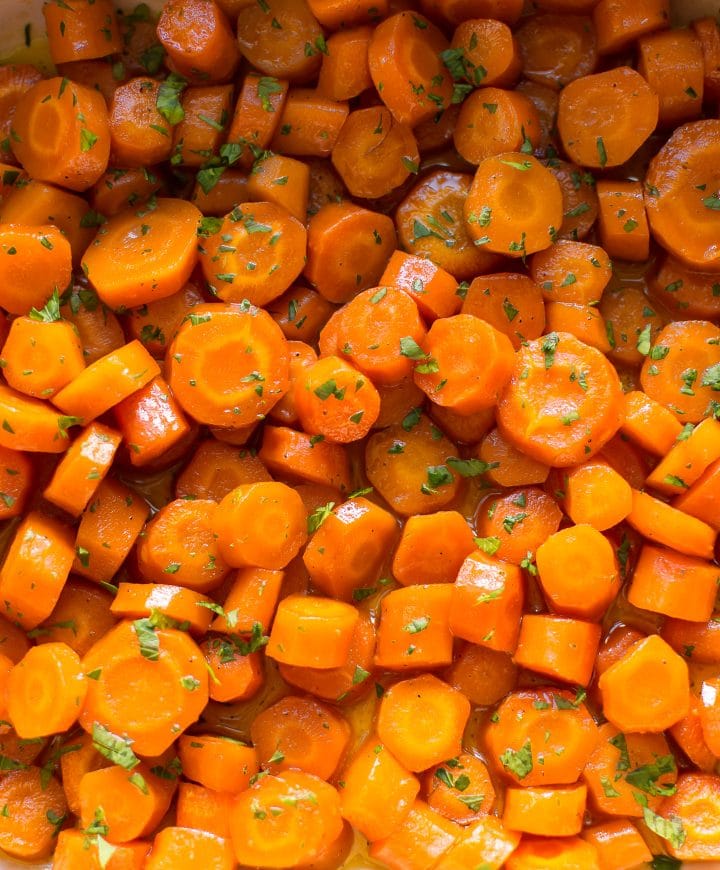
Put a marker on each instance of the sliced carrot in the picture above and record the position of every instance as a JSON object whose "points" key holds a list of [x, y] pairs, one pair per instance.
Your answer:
{"points": [[460, 789], [35, 569], [559, 373], [432, 548], [673, 65], [630, 320], [203, 809], [561, 853], [345, 72], [173, 845], [487, 50], [300, 313], [361, 242], [417, 83], [60, 133], [699, 500], [255, 253], [556, 49], [15, 80], [217, 762], [686, 292], [76, 851], [234, 396], [666, 525], [572, 272], [302, 734], [431, 223], [494, 121], [596, 494], [108, 529], [118, 189], [690, 838], [668, 582], [679, 186], [252, 600], [198, 38], [618, 843], [303, 457], [421, 721], [617, 27], [309, 818], [201, 131], [378, 791], [312, 632], [414, 628], [82, 32], [310, 124], [545, 811], [486, 841], [139, 133], [622, 221], [157, 600], [16, 478], [235, 676], [514, 206], [99, 329], [36, 259], [648, 663], [510, 302], [558, 647], [482, 674], [168, 690], [124, 804], [432, 288], [46, 690], [580, 204], [282, 181], [687, 458], [629, 116], [28, 830], [81, 616], [374, 153], [421, 838]]}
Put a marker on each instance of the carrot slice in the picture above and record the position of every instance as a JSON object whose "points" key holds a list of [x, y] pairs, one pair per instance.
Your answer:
{"points": [[421, 838], [173, 845], [460, 789], [199, 39], [557, 49], [611, 136], [680, 189], [494, 121], [28, 832], [61, 133], [486, 841], [312, 632], [563, 402], [432, 548], [510, 302], [156, 673], [414, 628], [691, 839], [514, 206], [545, 811], [184, 606], [218, 762], [233, 395], [36, 262], [664, 524]]}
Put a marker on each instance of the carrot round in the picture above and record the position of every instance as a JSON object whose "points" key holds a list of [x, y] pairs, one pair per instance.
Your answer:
{"points": [[462, 791], [664, 524], [374, 152], [557, 49], [302, 734], [563, 402], [35, 262], [260, 524], [145, 255], [46, 690], [28, 831], [487, 51], [482, 674], [312, 632], [514, 206], [309, 818], [558, 647], [421, 721], [432, 548], [495, 121], [414, 628], [156, 673], [61, 133], [218, 762], [688, 809], [632, 699], [236, 396], [173, 845], [303, 457], [514, 524], [198, 38], [509, 301], [610, 137], [418, 840], [680, 186], [597, 495], [545, 811], [508, 466], [672, 63]]}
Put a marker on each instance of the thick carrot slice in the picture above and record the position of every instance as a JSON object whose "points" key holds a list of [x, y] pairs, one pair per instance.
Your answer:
{"points": [[688, 458], [414, 628], [28, 832], [563, 402], [649, 664], [146, 255], [514, 524], [140, 135], [298, 456], [432, 288], [345, 72], [312, 632], [167, 692], [99, 329], [106, 382], [421, 838], [680, 189], [345, 682], [84, 31], [378, 792], [260, 524], [561, 853], [545, 811], [16, 478], [256, 115], [76, 851], [36, 262], [486, 51], [35, 569], [617, 27], [494, 121], [666, 525], [580, 205], [310, 124], [232, 395], [46, 691], [486, 602], [533, 724], [609, 137], [696, 800], [460, 789], [124, 804], [673, 65], [622, 221], [218, 762], [432, 548], [292, 50], [674, 584], [82, 469], [514, 206], [416, 84], [255, 253], [596, 494], [348, 248], [203, 809], [557, 49], [421, 721], [184, 606], [300, 313], [686, 292], [374, 152], [309, 818], [348, 546], [486, 841], [198, 38], [235, 677], [300, 733], [61, 133], [510, 302], [482, 674], [108, 529], [173, 845], [558, 647], [15, 80]]}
